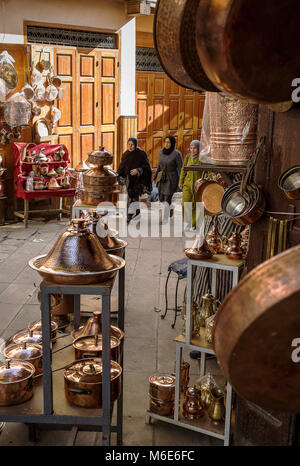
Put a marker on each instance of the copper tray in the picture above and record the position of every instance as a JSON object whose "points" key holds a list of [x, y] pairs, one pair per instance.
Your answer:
{"points": [[175, 42], [229, 35], [66, 278], [254, 334], [210, 193]]}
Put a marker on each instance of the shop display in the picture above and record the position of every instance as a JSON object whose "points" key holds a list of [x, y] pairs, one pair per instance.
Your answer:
{"points": [[16, 382], [192, 408], [100, 182], [216, 410], [262, 315], [234, 250], [91, 347], [227, 41], [162, 394], [26, 352], [83, 382], [108, 239], [77, 258], [289, 182], [175, 42]]}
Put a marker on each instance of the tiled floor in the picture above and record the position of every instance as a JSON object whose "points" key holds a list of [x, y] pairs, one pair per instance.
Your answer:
{"points": [[149, 345]]}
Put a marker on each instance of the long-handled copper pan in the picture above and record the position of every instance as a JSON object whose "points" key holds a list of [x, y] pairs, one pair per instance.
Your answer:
{"points": [[175, 42], [250, 48]]}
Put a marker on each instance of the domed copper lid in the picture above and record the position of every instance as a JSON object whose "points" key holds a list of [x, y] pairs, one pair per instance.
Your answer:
{"points": [[27, 336], [77, 258], [24, 351], [15, 371], [94, 343], [162, 380], [37, 326], [90, 371], [94, 327], [82, 166], [100, 157]]}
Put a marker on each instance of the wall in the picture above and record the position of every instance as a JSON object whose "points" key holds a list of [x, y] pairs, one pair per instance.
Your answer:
{"points": [[144, 23], [106, 14]]}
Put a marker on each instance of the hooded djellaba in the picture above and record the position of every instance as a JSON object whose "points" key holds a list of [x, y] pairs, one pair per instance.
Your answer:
{"points": [[137, 160]]}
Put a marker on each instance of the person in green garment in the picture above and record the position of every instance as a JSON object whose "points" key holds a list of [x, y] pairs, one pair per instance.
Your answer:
{"points": [[187, 182]]}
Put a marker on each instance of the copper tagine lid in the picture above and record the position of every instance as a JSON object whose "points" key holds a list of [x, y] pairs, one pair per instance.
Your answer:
{"points": [[77, 258], [162, 380], [94, 327], [15, 371], [106, 236], [28, 336], [94, 343], [100, 157], [90, 371], [82, 166], [199, 251], [24, 351]]}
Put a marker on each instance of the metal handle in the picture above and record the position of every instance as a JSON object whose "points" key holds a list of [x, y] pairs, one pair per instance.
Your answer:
{"points": [[251, 165], [82, 391]]}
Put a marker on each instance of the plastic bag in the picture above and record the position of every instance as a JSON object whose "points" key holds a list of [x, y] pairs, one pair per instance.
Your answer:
{"points": [[228, 133], [17, 110], [154, 196]]}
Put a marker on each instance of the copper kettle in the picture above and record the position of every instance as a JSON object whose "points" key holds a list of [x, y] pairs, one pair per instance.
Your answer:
{"points": [[234, 250], [192, 408]]}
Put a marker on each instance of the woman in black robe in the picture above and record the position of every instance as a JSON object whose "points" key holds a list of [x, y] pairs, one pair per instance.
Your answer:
{"points": [[136, 171]]}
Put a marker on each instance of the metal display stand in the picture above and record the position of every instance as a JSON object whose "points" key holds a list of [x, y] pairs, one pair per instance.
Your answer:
{"points": [[203, 425], [56, 411]]}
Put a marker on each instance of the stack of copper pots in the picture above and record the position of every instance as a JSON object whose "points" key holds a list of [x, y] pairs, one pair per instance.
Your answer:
{"points": [[162, 394], [101, 182]]}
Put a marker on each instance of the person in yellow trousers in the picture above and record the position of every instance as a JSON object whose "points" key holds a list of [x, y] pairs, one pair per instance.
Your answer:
{"points": [[187, 182]]}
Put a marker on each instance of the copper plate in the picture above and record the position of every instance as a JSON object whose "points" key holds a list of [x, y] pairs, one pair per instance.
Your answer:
{"points": [[175, 42], [261, 315], [249, 48]]}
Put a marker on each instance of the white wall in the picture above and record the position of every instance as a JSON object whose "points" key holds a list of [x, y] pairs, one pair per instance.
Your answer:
{"points": [[128, 40]]}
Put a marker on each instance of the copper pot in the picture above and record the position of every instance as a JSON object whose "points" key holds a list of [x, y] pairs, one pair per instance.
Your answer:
{"points": [[37, 326], [162, 387], [162, 408], [95, 197], [77, 258], [110, 243], [175, 42], [16, 382], [83, 382], [91, 347], [262, 315], [210, 192], [94, 327], [27, 336], [26, 352], [229, 33], [289, 182]]}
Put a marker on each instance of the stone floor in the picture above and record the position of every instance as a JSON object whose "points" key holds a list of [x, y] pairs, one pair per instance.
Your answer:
{"points": [[149, 345]]}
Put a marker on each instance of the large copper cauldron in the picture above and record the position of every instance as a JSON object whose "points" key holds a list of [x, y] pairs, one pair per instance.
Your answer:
{"points": [[175, 42], [83, 382], [101, 182], [233, 125], [110, 242], [77, 258], [249, 48], [16, 385], [256, 334]]}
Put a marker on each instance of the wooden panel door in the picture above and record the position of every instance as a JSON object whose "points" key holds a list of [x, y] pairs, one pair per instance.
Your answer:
{"points": [[65, 66], [142, 106], [109, 101]]}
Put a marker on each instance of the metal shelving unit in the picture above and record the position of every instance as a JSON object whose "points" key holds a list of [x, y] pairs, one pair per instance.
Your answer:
{"points": [[44, 408], [202, 425]]}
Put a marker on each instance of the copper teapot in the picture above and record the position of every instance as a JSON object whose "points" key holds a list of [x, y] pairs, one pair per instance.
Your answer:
{"points": [[234, 250], [192, 408], [214, 239]]}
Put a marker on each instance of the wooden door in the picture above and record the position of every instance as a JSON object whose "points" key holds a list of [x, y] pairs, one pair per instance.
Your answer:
{"points": [[165, 108]]}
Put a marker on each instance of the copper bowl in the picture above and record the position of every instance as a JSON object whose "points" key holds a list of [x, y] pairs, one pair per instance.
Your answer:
{"points": [[77, 258], [83, 382]]}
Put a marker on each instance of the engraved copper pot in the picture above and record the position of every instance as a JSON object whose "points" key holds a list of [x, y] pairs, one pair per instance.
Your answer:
{"points": [[162, 387], [91, 347], [77, 258], [229, 34], [233, 126], [175, 42], [29, 352], [262, 314], [110, 242], [16, 382], [83, 382]]}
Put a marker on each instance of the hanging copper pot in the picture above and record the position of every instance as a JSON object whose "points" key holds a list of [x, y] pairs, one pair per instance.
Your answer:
{"points": [[289, 182], [175, 42], [16, 382], [26, 352], [83, 382], [210, 192], [262, 315], [77, 258], [229, 35], [91, 347]]}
